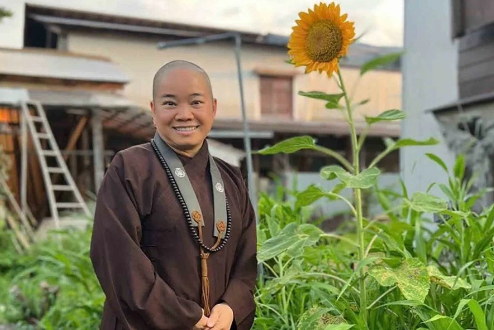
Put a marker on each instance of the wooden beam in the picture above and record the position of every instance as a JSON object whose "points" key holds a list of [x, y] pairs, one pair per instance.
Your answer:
{"points": [[98, 147], [74, 136]]}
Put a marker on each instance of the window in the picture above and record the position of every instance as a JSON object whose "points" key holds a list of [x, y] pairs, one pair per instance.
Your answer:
{"points": [[469, 15], [276, 96]]}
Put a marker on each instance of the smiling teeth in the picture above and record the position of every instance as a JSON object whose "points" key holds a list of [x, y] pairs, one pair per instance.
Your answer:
{"points": [[185, 128]]}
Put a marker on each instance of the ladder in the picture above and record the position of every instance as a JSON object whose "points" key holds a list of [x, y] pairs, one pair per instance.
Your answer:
{"points": [[44, 133]]}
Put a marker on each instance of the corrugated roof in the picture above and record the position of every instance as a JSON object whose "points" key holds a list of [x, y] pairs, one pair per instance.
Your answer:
{"points": [[67, 18], [49, 64]]}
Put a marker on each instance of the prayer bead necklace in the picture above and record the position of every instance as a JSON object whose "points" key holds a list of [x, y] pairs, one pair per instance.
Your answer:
{"points": [[186, 212]]}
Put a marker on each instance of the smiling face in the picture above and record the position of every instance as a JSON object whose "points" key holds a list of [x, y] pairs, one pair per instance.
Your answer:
{"points": [[183, 109]]}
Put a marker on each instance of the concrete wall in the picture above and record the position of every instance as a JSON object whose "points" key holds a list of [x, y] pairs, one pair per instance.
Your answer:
{"points": [[429, 80], [140, 59]]}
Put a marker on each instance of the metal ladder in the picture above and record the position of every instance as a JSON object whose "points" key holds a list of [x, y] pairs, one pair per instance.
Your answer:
{"points": [[43, 154]]}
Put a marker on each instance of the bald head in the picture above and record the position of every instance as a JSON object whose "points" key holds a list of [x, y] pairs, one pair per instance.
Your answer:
{"points": [[174, 65]]}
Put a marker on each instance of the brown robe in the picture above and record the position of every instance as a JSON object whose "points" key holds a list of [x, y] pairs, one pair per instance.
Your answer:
{"points": [[145, 257]]}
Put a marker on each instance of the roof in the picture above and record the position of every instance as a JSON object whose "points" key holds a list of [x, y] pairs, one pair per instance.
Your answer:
{"points": [[59, 65], [74, 19], [465, 102], [62, 99], [333, 126]]}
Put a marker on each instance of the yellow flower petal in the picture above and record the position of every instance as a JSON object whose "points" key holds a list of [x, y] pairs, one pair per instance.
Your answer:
{"points": [[321, 36]]}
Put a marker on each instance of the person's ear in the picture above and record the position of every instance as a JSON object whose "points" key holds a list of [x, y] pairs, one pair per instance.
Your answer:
{"points": [[153, 110], [215, 105]]}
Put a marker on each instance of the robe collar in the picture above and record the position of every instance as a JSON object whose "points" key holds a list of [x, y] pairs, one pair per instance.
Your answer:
{"points": [[199, 162]]}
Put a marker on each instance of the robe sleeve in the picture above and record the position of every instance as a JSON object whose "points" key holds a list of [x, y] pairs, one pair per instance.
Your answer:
{"points": [[239, 294], [132, 288]]}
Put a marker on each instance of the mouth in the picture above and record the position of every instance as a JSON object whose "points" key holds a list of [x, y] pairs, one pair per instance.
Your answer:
{"points": [[186, 129]]}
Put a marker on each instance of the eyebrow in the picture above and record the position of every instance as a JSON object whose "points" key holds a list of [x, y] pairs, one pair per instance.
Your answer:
{"points": [[174, 96]]}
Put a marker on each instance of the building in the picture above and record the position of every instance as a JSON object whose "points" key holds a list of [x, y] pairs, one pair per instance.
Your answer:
{"points": [[448, 88], [110, 62]]}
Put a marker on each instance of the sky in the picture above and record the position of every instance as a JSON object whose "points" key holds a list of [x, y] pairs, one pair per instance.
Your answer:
{"points": [[380, 20]]}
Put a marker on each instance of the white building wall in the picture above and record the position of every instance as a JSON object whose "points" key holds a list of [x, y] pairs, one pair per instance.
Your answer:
{"points": [[429, 80]]}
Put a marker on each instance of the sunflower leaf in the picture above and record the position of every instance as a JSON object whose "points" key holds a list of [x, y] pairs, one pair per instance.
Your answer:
{"points": [[332, 99], [411, 277], [363, 180], [379, 62], [289, 146], [388, 115], [422, 202]]}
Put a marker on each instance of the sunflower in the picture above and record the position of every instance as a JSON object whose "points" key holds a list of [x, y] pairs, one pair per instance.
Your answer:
{"points": [[320, 38]]}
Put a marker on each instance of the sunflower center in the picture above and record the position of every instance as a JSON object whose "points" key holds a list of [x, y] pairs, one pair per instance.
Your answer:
{"points": [[324, 41]]}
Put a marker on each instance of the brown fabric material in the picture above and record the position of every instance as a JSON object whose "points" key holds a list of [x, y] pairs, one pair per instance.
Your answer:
{"points": [[147, 262]]}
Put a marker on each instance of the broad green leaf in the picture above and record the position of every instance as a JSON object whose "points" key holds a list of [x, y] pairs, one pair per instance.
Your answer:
{"points": [[341, 326], [388, 115], [411, 277], [308, 236], [330, 98], [365, 179], [292, 239], [309, 196], [449, 282], [459, 168], [438, 161], [422, 202], [311, 318], [289, 146], [379, 61]]}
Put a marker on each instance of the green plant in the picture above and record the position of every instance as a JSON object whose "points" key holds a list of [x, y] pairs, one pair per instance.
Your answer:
{"points": [[53, 286], [403, 273]]}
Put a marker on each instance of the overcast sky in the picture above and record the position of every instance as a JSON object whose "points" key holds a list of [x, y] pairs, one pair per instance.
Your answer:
{"points": [[382, 20]]}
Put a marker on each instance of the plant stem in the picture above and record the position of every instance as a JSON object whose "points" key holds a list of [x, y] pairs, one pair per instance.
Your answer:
{"points": [[358, 199], [336, 156]]}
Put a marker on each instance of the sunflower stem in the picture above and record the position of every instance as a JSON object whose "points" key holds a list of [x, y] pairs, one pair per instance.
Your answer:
{"points": [[358, 200]]}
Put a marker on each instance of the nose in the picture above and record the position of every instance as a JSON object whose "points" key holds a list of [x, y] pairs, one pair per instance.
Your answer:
{"points": [[184, 113]]}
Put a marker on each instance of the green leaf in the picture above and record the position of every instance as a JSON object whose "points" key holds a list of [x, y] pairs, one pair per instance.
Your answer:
{"points": [[290, 61], [364, 180], [332, 99], [476, 311], [292, 239], [445, 189], [438, 161], [309, 196], [411, 277], [444, 322], [379, 61], [459, 168], [449, 282], [363, 102], [289, 146], [341, 326], [311, 318], [388, 115], [411, 143], [427, 203]]}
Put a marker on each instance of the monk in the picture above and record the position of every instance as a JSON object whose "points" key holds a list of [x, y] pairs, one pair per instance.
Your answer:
{"points": [[174, 237]]}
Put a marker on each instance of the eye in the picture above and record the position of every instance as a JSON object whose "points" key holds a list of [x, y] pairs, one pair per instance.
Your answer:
{"points": [[169, 103], [197, 102]]}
